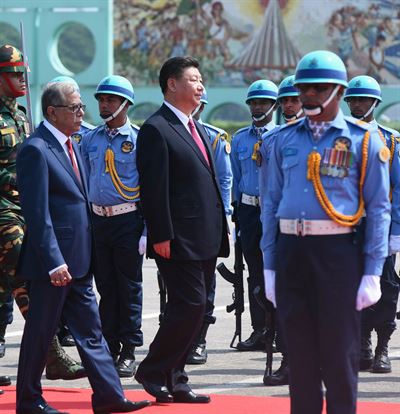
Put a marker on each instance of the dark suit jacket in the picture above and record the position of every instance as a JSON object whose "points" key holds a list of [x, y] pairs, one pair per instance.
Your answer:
{"points": [[179, 191], [55, 208]]}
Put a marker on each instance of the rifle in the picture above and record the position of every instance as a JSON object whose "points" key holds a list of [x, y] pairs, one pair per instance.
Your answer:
{"points": [[163, 295], [269, 325], [236, 279], [28, 90]]}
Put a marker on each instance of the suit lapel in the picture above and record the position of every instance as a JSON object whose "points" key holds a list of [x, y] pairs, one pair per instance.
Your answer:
{"points": [[183, 133], [60, 154]]}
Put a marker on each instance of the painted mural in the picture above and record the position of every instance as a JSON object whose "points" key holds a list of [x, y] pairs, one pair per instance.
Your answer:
{"points": [[239, 41]]}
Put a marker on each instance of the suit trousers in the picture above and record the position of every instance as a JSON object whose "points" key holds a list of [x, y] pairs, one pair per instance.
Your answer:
{"points": [[186, 282], [317, 282], [77, 303]]}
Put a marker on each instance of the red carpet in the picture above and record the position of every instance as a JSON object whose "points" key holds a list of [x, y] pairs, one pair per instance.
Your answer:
{"points": [[77, 401]]}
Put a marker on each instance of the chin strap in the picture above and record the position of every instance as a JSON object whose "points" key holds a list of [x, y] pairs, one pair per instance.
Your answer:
{"points": [[366, 115], [263, 116], [293, 117], [115, 114], [319, 109], [16, 93]]}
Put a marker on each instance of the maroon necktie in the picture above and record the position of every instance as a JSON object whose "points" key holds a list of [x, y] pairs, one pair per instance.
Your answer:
{"points": [[197, 139], [72, 158]]}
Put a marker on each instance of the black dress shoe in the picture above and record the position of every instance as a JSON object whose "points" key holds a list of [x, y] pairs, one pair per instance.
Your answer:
{"points": [[5, 380], [42, 409], [160, 392], [126, 367], [190, 397], [279, 377], [68, 340], [124, 406], [1, 392], [198, 355], [256, 342]]}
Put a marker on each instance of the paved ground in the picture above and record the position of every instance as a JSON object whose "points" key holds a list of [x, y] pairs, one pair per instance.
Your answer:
{"points": [[227, 371]]}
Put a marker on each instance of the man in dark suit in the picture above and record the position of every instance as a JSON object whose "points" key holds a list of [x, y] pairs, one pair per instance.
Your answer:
{"points": [[56, 258], [186, 223]]}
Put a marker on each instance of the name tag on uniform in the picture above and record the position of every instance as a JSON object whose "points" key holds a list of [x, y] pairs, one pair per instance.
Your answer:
{"points": [[6, 131]]}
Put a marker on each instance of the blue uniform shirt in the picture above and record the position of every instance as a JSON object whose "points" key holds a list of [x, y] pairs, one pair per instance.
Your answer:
{"points": [[244, 168], [388, 133], [85, 127], [221, 149], [288, 193], [94, 145]]}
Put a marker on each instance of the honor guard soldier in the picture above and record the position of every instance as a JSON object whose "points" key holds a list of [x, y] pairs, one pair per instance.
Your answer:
{"points": [[246, 161], [14, 129], [221, 150], [110, 156], [363, 96], [289, 101], [292, 110], [325, 171]]}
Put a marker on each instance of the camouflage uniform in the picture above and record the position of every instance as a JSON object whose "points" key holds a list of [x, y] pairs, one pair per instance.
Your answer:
{"points": [[14, 128]]}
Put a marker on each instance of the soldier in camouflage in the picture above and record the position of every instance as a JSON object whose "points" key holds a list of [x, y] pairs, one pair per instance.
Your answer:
{"points": [[14, 129]]}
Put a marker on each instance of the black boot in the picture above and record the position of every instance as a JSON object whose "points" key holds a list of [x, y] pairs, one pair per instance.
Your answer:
{"points": [[366, 356], [280, 376], [382, 363], [2, 340], [5, 380], [198, 353], [256, 341], [126, 366]]}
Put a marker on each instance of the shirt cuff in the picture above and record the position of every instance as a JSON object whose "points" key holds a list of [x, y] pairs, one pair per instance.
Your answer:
{"points": [[373, 267], [55, 269]]}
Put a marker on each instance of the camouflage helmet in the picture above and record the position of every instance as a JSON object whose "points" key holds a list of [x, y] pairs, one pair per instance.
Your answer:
{"points": [[11, 59]]}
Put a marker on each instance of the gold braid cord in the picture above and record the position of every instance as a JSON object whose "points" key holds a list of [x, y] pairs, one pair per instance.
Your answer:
{"points": [[313, 174], [118, 184], [392, 148]]}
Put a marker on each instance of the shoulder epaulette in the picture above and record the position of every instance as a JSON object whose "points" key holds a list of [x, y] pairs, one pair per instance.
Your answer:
{"points": [[391, 131], [135, 127], [239, 131], [358, 122], [215, 129], [87, 126]]}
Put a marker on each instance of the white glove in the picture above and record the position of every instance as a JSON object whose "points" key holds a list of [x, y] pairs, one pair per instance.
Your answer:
{"points": [[394, 245], [369, 291], [142, 245], [269, 283]]}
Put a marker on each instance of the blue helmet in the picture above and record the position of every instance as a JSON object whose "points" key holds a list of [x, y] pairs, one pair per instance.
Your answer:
{"points": [[286, 87], [116, 85], [364, 86], [262, 89], [321, 66], [204, 98], [65, 79]]}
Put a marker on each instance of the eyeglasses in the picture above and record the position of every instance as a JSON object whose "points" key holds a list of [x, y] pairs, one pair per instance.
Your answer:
{"points": [[72, 108]]}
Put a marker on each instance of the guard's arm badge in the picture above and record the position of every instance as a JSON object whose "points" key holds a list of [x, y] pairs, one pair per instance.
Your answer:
{"points": [[228, 147]]}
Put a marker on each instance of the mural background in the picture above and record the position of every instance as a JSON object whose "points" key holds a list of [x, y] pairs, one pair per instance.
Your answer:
{"points": [[240, 41]]}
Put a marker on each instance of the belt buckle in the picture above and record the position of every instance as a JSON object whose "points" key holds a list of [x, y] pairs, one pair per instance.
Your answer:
{"points": [[106, 211], [256, 201], [301, 227]]}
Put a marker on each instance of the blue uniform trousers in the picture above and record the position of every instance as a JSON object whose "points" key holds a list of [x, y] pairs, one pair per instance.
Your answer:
{"points": [[77, 303], [118, 277], [382, 315], [250, 231], [317, 282]]}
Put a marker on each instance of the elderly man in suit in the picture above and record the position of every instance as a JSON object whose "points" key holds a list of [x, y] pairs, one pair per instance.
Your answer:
{"points": [[186, 222], [56, 258]]}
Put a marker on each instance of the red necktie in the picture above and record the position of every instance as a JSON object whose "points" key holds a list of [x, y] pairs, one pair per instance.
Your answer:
{"points": [[72, 158], [197, 140]]}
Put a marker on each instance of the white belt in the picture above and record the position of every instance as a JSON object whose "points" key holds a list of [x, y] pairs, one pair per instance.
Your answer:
{"points": [[312, 227], [250, 200], [108, 211]]}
